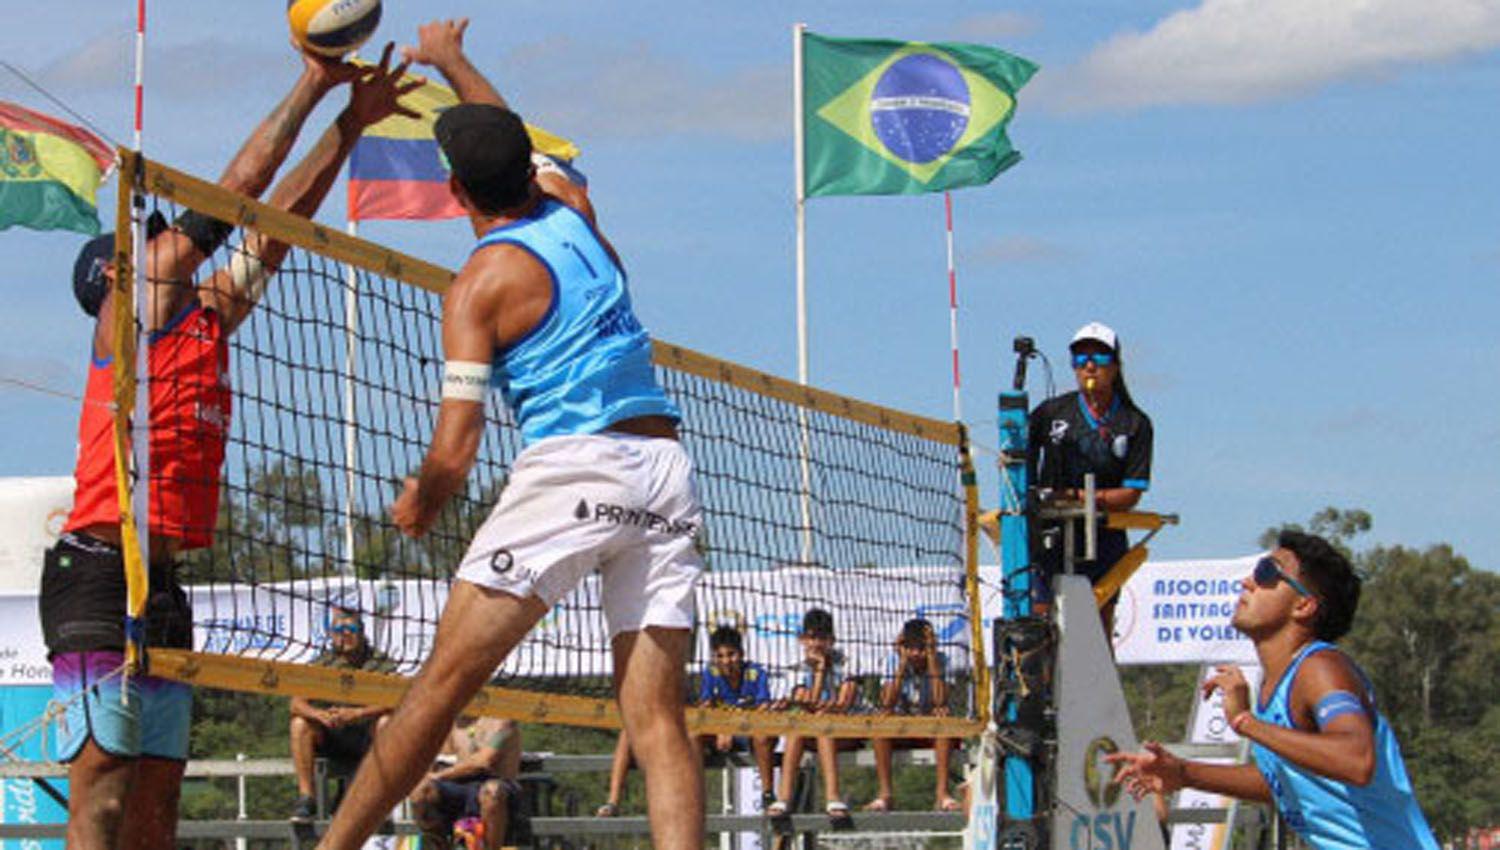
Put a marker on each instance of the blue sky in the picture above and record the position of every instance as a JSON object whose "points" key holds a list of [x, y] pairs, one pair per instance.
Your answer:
{"points": [[1290, 211]]}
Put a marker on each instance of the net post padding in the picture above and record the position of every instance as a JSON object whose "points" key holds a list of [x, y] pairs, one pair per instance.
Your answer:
{"points": [[896, 510], [126, 333], [382, 689]]}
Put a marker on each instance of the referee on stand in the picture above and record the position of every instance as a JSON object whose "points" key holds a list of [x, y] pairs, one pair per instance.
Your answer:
{"points": [[1096, 429]]}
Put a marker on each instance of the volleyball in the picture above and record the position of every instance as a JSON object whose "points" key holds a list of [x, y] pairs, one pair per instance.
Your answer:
{"points": [[332, 27]]}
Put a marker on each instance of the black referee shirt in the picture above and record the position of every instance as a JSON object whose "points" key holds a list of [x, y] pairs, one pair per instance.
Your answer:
{"points": [[1067, 443]]}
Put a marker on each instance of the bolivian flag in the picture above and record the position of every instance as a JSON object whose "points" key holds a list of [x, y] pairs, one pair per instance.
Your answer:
{"points": [[49, 172], [395, 171]]}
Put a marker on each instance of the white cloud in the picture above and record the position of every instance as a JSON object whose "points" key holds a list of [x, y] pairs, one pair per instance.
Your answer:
{"points": [[1235, 51], [1018, 248], [996, 26], [638, 92], [197, 70]]}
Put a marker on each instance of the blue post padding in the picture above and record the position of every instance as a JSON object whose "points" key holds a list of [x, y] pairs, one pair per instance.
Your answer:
{"points": [[1015, 562], [21, 800]]}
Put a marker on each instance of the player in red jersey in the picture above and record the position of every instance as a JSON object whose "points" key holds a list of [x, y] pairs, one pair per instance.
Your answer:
{"points": [[126, 752]]}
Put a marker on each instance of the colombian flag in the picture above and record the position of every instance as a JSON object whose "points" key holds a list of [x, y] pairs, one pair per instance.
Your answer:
{"points": [[395, 170], [49, 172]]}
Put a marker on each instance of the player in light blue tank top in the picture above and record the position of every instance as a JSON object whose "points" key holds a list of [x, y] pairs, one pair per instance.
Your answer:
{"points": [[540, 309], [1329, 813], [587, 364], [1323, 754]]}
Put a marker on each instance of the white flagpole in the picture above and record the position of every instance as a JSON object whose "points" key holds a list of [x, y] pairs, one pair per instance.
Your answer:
{"points": [[958, 409], [799, 169], [351, 434]]}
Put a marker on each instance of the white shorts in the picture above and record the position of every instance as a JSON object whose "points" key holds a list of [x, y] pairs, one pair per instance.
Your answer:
{"points": [[617, 503]]}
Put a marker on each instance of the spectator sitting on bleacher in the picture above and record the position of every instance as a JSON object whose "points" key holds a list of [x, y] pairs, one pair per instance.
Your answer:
{"points": [[470, 796], [916, 684], [732, 682], [339, 733], [823, 686]]}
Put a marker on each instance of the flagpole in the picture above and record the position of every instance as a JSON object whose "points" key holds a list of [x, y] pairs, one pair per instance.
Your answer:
{"points": [[799, 166], [799, 171], [958, 410], [351, 433]]}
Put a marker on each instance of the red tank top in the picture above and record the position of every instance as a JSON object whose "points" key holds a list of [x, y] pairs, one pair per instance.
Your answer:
{"points": [[190, 406]]}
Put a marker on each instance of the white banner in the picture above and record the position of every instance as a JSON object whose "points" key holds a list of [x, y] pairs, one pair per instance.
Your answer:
{"points": [[1209, 726], [1177, 612], [401, 619], [32, 513]]}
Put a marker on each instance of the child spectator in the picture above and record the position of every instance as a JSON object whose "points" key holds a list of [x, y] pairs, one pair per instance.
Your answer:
{"points": [[916, 684], [823, 687], [729, 681]]}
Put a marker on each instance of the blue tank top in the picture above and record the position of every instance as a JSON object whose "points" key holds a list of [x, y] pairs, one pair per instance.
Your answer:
{"points": [[587, 364], [1333, 815]]}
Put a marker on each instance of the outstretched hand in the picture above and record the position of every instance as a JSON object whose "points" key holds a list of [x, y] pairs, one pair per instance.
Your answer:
{"points": [[1150, 771], [326, 72], [1231, 680], [377, 90], [439, 43]]}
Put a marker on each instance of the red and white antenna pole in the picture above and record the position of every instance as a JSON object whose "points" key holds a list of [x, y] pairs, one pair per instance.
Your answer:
{"points": [[958, 410], [141, 425], [140, 69]]}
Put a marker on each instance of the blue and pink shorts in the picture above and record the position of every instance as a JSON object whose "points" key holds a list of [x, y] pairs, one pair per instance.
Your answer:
{"points": [[151, 720]]}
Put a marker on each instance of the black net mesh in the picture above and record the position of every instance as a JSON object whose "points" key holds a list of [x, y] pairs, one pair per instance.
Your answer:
{"points": [[335, 379]]}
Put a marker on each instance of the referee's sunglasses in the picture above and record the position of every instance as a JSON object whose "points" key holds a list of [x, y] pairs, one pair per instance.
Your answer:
{"points": [[1268, 572], [1099, 358]]}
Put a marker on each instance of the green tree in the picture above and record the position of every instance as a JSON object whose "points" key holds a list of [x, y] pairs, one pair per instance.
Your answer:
{"points": [[1426, 630], [1338, 526], [1160, 698]]}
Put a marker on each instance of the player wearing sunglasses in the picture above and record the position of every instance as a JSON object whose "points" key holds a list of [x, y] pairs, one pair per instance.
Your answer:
{"points": [[1324, 755], [1096, 429]]}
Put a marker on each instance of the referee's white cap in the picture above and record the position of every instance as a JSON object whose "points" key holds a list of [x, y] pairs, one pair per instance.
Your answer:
{"points": [[1097, 332]]}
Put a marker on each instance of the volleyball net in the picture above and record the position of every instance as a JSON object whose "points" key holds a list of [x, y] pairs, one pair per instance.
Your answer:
{"points": [[811, 500]]}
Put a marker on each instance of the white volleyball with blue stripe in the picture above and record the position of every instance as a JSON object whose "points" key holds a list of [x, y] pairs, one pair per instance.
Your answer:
{"points": [[332, 27]]}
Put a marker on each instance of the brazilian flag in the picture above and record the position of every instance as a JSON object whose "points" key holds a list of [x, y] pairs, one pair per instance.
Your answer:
{"points": [[885, 117]]}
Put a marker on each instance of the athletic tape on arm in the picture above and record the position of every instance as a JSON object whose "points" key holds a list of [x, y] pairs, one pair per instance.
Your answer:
{"points": [[247, 274], [465, 380], [1336, 704]]}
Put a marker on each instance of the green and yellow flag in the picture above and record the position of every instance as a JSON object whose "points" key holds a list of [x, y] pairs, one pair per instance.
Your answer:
{"points": [[49, 172], [888, 117]]}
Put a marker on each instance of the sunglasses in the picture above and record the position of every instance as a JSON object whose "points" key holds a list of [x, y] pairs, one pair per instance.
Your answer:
{"points": [[1268, 572], [1100, 359], [346, 629]]}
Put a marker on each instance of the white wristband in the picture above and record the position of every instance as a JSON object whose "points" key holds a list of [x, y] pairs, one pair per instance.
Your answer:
{"points": [[465, 380], [247, 274], [545, 164]]}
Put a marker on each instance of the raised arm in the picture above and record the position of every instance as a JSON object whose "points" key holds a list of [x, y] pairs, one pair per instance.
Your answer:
{"points": [[1329, 696], [233, 291], [173, 256], [441, 45]]}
